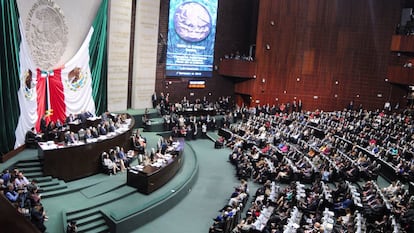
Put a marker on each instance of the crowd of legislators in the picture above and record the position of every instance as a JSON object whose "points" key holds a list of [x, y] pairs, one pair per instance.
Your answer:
{"points": [[193, 119], [299, 157], [165, 107], [24, 195], [78, 128]]}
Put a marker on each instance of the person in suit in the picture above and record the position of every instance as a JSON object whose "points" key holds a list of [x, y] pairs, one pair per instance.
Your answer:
{"points": [[51, 131], [122, 156], [88, 134], [154, 100], [38, 217], [70, 118], [70, 138], [88, 114], [82, 118], [32, 138], [102, 130], [43, 124]]}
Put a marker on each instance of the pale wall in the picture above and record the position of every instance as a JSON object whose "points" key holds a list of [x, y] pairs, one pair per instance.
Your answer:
{"points": [[118, 54], [145, 54]]}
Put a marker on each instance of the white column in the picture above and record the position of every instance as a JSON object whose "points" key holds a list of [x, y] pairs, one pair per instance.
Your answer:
{"points": [[145, 52], [119, 34]]}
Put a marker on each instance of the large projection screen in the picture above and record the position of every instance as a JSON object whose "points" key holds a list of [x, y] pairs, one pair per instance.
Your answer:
{"points": [[191, 36]]}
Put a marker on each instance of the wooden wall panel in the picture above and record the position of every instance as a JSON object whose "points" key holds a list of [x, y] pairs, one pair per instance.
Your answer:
{"points": [[402, 43], [237, 68], [236, 31], [338, 49], [401, 75]]}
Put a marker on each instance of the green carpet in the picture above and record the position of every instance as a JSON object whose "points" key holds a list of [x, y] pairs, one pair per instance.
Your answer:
{"points": [[103, 187]]}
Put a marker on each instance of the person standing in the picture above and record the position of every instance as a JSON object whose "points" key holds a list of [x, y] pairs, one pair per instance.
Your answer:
{"points": [[154, 100]]}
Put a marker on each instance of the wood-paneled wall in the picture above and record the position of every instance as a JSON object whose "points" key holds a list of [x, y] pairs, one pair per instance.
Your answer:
{"points": [[324, 52], [236, 30]]}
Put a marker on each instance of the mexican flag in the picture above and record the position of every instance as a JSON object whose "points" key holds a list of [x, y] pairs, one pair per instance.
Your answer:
{"points": [[53, 93]]}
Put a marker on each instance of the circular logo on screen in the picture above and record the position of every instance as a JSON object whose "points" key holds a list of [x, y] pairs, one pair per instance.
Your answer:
{"points": [[192, 21]]}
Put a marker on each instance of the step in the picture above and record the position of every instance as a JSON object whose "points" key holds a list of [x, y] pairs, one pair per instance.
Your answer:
{"points": [[100, 229], [22, 165], [59, 192], [30, 169], [29, 161], [44, 179], [100, 201], [92, 225], [31, 175], [48, 183], [61, 185], [86, 220], [77, 215]]}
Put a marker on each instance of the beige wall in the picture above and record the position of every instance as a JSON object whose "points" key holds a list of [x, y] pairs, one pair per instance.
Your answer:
{"points": [[145, 52], [118, 53]]}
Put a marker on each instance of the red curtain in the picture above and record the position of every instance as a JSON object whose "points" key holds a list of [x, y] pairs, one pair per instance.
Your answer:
{"points": [[55, 93]]}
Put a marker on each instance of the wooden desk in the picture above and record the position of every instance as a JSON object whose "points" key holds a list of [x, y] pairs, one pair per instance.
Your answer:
{"points": [[71, 162], [152, 178]]}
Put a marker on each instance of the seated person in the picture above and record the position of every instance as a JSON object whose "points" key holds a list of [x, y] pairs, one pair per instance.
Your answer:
{"points": [[109, 163], [139, 143], [102, 130], [15, 196], [59, 125], [122, 156], [32, 138], [88, 134], [21, 180], [219, 142], [51, 131], [94, 132], [111, 127], [34, 196], [346, 203], [70, 118], [70, 138], [38, 217], [114, 157]]}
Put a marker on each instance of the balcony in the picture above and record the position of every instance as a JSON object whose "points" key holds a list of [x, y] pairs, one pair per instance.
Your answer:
{"points": [[402, 43], [238, 68], [401, 75]]}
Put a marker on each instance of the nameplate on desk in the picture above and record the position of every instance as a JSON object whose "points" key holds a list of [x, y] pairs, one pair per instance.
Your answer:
{"points": [[89, 140]]}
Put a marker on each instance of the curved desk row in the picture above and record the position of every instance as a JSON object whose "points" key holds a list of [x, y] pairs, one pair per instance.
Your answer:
{"points": [[71, 162], [149, 178]]}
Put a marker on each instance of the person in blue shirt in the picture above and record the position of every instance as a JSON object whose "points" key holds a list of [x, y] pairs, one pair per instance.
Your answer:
{"points": [[6, 176]]}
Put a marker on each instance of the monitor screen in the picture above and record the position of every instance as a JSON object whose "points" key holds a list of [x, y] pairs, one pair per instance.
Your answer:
{"points": [[191, 37]]}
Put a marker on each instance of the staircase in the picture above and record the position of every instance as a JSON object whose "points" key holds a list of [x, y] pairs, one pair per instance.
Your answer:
{"points": [[33, 169], [88, 221]]}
